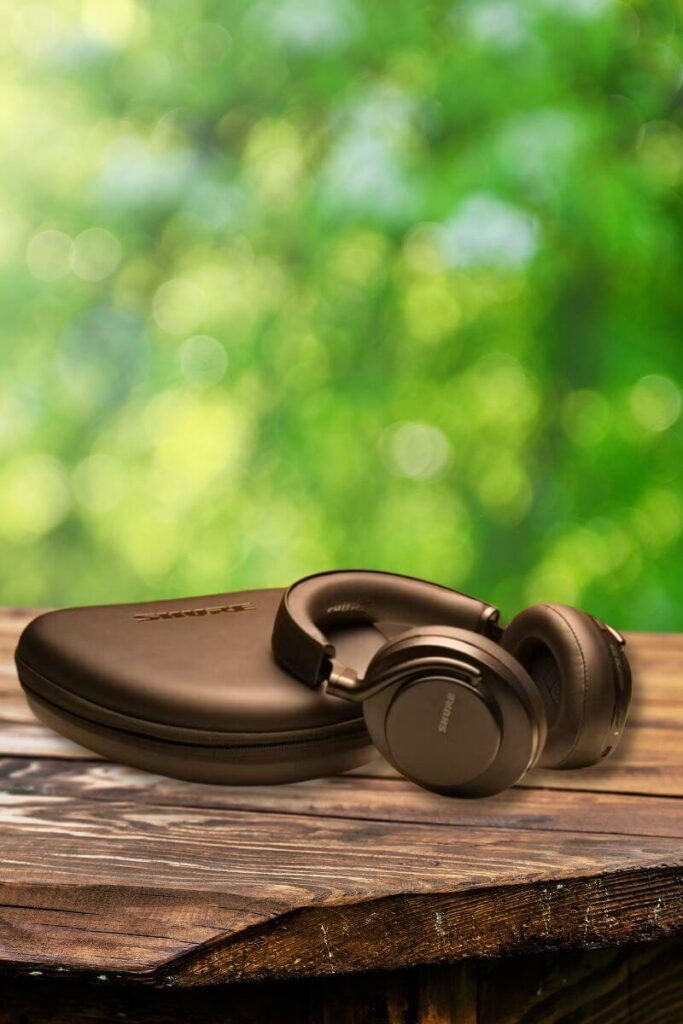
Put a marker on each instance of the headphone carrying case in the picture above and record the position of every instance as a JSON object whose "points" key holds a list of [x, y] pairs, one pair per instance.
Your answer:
{"points": [[189, 688]]}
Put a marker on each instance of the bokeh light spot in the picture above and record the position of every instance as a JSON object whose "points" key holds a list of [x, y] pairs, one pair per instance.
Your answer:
{"points": [[360, 256], [500, 23], [365, 168], [655, 402], [553, 581], [35, 496], [584, 10], [48, 255], [312, 24], [113, 24], [501, 395], [659, 517], [416, 450], [660, 147], [431, 307], [203, 361], [274, 159], [504, 489], [194, 441], [136, 174], [486, 232], [179, 306], [421, 251], [95, 254], [99, 483]]}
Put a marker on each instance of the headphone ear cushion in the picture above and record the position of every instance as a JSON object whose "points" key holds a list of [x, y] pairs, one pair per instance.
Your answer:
{"points": [[571, 661]]}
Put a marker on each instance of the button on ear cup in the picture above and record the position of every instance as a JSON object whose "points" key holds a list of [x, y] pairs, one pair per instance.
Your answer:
{"points": [[580, 676], [453, 711]]}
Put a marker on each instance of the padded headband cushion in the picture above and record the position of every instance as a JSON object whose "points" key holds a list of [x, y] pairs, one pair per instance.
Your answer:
{"points": [[352, 596], [568, 657]]}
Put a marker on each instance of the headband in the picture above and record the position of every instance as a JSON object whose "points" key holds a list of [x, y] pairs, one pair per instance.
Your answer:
{"points": [[359, 596]]}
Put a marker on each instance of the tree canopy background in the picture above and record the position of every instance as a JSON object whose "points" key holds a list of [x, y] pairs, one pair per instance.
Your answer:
{"points": [[305, 284]]}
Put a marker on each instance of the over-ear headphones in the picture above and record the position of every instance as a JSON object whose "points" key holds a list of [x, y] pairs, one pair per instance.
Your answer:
{"points": [[455, 702]]}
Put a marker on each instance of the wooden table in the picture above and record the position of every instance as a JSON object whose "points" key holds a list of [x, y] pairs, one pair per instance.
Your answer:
{"points": [[129, 897]]}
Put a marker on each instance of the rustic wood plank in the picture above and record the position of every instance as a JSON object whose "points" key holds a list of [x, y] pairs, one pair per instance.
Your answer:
{"points": [[374, 799], [603, 910], [13, 707], [315, 882], [24, 740]]}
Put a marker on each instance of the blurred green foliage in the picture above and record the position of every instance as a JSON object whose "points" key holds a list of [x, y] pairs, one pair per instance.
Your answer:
{"points": [[305, 284]]}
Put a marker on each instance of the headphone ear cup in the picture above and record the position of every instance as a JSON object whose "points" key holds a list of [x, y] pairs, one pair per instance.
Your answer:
{"points": [[582, 677], [453, 711]]}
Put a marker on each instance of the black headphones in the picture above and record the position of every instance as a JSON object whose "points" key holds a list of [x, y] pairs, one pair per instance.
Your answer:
{"points": [[456, 703]]}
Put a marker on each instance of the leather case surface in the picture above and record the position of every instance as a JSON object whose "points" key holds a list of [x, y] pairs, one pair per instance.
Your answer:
{"points": [[189, 688]]}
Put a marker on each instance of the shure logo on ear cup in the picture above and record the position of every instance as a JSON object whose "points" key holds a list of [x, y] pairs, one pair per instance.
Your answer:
{"points": [[446, 711], [192, 613]]}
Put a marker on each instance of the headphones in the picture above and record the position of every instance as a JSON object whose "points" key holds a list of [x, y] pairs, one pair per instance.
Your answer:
{"points": [[455, 702]]}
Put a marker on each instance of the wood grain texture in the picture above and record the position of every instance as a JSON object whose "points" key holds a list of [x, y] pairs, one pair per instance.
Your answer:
{"points": [[111, 873]]}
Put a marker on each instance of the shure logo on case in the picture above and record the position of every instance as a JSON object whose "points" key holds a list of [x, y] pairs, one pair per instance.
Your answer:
{"points": [[446, 711], [193, 613]]}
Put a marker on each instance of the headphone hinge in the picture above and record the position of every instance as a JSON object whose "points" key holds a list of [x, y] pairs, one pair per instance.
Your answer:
{"points": [[490, 625], [343, 682]]}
